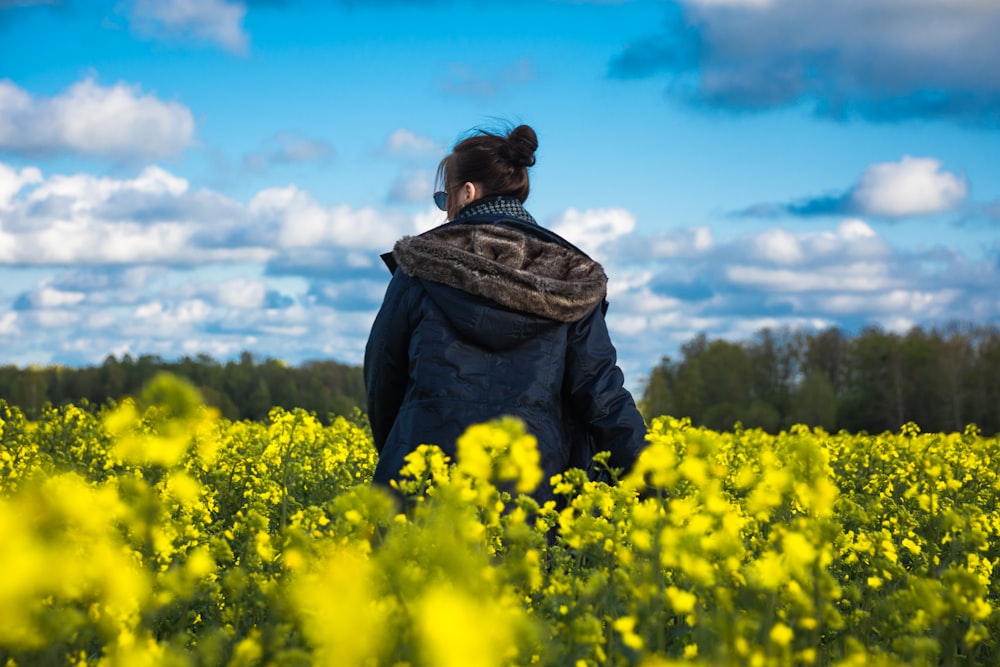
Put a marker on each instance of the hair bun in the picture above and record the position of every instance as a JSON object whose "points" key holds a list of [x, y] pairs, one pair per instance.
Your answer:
{"points": [[520, 146]]}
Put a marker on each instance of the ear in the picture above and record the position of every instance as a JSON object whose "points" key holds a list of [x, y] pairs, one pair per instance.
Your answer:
{"points": [[471, 191]]}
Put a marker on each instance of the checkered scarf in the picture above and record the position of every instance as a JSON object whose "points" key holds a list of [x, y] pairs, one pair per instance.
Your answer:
{"points": [[509, 206]]}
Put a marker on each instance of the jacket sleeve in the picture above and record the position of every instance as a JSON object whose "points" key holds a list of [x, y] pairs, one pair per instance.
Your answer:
{"points": [[386, 366], [596, 391]]}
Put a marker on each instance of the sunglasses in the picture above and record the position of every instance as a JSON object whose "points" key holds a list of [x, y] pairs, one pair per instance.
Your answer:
{"points": [[441, 199]]}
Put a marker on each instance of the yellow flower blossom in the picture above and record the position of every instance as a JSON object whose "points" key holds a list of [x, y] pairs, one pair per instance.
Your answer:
{"points": [[625, 626], [781, 634]]}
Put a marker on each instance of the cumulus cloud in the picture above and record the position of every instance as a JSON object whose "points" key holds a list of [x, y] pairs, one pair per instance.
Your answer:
{"points": [[217, 22], [407, 143], [189, 313], [778, 264], [156, 218], [79, 219], [688, 242], [44, 297], [860, 277], [240, 293], [430, 218], [298, 221], [12, 181], [349, 295], [913, 186], [876, 59], [8, 324], [847, 276], [412, 186], [119, 122], [589, 230]]}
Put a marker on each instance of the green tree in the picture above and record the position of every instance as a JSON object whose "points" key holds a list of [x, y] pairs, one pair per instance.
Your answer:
{"points": [[814, 402], [775, 360], [658, 394], [827, 352], [30, 392]]}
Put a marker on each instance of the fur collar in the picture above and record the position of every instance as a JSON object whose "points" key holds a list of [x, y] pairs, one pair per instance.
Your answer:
{"points": [[514, 269]]}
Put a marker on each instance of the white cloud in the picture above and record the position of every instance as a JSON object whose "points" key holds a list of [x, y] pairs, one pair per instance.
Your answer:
{"points": [[847, 276], [119, 122], [302, 222], [779, 246], [627, 325], [406, 142], [852, 240], [855, 230], [8, 324], [55, 319], [170, 319], [879, 59], [241, 293], [348, 294], [70, 243], [216, 348], [193, 311], [702, 238], [214, 21], [591, 229], [54, 298], [88, 193], [102, 319], [156, 219], [412, 186], [850, 258], [12, 181], [428, 219], [64, 220], [861, 277], [909, 302], [912, 186], [285, 330], [676, 243], [357, 260]]}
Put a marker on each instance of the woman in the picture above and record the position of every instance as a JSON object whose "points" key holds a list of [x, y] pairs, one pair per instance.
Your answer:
{"points": [[491, 314]]}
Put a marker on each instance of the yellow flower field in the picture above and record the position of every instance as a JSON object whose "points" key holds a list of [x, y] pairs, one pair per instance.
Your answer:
{"points": [[156, 533]]}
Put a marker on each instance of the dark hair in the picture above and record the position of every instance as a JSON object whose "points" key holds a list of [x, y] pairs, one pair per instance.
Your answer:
{"points": [[499, 163]]}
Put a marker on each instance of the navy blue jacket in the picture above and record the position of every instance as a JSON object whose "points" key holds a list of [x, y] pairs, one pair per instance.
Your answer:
{"points": [[487, 317]]}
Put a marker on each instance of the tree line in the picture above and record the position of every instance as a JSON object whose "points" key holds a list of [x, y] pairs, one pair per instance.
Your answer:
{"points": [[874, 381], [240, 389], [942, 379]]}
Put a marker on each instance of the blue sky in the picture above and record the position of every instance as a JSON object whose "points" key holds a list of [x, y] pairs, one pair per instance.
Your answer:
{"points": [[211, 176]]}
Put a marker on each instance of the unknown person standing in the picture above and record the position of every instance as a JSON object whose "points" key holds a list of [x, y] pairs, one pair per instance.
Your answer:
{"points": [[491, 314]]}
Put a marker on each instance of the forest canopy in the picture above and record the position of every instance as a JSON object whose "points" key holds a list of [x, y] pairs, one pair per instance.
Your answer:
{"points": [[242, 389], [874, 381]]}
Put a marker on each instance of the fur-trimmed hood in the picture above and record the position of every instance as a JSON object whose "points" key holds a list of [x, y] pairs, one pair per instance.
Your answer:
{"points": [[520, 271]]}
